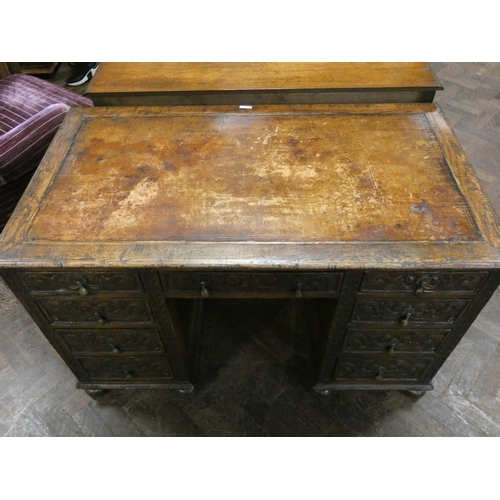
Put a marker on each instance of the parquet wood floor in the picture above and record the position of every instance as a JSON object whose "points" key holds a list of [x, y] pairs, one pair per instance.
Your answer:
{"points": [[253, 366]]}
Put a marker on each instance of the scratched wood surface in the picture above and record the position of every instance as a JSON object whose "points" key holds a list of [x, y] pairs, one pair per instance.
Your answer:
{"points": [[257, 82], [38, 397], [150, 77]]}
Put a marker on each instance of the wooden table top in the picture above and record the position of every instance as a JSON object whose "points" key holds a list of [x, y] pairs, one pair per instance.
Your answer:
{"points": [[316, 186], [217, 83]]}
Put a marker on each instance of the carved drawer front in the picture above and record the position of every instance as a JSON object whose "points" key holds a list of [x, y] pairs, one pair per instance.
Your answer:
{"points": [[94, 311], [127, 368], [201, 284], [293, 284], [140, 340], [424, 283], [406, 313], [380, 369], [394, 341], [81, 282], [298, 283]]}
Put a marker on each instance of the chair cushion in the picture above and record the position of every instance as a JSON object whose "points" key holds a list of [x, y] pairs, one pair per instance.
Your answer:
{"points": [[23, 96], [22, 148]]}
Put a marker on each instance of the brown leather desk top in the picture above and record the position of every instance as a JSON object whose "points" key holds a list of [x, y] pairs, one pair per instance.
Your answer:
{"points": [[284, 186]]}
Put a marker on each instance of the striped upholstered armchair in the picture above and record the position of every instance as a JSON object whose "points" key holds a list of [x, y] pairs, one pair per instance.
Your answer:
{"points": [[31, 111]]}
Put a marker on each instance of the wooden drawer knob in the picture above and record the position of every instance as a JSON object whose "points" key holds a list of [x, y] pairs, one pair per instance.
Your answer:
{"points": [[204, 291]]}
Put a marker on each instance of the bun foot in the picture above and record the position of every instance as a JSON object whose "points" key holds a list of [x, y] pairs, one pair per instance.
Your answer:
{"points": [[323, 392], [414, 395], [96, 393]]}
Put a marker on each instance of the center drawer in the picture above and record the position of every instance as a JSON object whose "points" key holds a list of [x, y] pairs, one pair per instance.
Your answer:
{"points": [[221, 284]]}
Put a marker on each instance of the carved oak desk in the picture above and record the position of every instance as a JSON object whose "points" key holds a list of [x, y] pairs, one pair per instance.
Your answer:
{"points": [[166, 84], [371, 214]]}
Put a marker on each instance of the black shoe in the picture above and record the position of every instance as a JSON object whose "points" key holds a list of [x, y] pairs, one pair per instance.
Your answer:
{"points": [[82, 73]]}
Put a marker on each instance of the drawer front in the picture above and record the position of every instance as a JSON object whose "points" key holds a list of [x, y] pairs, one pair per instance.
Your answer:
{"points": [[306, 282], [127, 368], [380, 369], [394, 341], [96, 312], [212, 282], [106, 341], [80, 281], [222, 282], [407, 312], [423, 283]]}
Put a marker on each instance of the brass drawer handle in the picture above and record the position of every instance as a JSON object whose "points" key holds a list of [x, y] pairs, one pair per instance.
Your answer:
{"points": [[379, 376], [204, 291], [405, 320], [419, 291], [114, 347], [82, 289], [128, 372], [298, 291], [391, 347], [101, 319]]}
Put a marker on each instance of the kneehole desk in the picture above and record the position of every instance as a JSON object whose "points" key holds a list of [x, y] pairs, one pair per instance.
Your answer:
{"points": [[371, 214]]}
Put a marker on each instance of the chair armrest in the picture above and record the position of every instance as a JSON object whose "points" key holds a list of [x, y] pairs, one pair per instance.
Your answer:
{"points": [[22, 148]]}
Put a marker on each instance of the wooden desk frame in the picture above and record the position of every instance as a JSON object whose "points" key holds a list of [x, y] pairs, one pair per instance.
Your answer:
{"points": [[400, 306]]}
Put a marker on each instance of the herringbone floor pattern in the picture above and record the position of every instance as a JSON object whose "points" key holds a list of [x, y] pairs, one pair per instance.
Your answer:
{"points": [[253, 365]]}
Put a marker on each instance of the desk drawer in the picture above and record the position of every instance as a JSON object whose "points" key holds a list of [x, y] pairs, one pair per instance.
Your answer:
{"points": [[423, 283], [407, 312], [220, 283], [108, 341], [127, 369], [383, 368], [394, 341], [95, 311], [81, 282]]}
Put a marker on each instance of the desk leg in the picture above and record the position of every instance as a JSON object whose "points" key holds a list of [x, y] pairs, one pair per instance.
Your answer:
{"points": [[194, 340]]}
